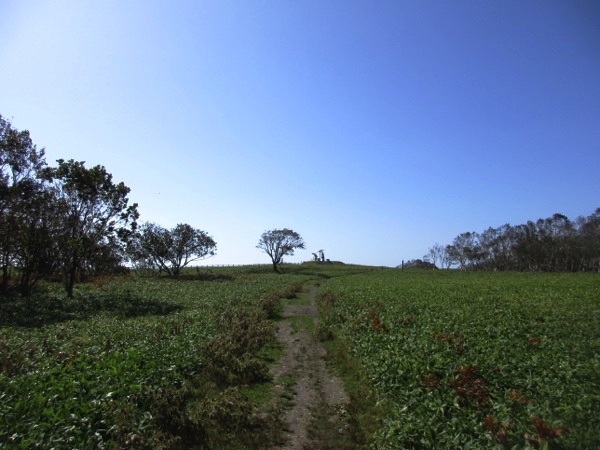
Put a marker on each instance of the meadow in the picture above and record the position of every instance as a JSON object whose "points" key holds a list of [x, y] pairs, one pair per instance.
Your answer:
{"points": [[139, 362], [475, 359], [453, 359]]}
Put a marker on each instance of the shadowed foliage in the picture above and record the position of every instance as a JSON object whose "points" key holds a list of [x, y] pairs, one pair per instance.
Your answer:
{"points": [[39, 310]]}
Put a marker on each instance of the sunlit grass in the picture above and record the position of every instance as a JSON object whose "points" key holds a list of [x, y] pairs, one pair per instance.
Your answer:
{"points": [[484, 360], [89, 371], [478, 359]]}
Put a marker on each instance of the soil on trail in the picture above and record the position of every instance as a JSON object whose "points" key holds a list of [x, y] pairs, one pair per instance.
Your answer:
{"points": [[315, 416]]}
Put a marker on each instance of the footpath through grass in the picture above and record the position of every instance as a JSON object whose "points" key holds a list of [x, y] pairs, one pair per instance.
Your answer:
{"points": [[443, 359], [140, 362]]}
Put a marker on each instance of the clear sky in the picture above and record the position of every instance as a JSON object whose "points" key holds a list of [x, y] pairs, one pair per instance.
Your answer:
{"points": [[373, 128]]}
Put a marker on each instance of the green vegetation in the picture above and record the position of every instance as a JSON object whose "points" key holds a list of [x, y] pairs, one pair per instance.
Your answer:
{"points": [[431, 359], [475, 360], [139, 362]]}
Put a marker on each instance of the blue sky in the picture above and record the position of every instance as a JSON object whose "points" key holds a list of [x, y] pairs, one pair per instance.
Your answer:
{"points": [[373, 128]]}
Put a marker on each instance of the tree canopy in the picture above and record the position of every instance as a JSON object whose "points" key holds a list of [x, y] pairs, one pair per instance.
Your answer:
{"points": [[279, 243], [554, 244], [155, 247], [25, 208], [68, 219], [96, 211]]}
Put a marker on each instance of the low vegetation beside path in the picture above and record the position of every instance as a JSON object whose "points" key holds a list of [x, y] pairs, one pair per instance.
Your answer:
{"points": [[444, 359], [475, 360], [140, 362]]}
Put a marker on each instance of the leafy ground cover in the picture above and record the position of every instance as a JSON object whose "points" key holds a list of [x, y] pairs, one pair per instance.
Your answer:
{"points": [[474, 360], [453, 359], [138, 362]]}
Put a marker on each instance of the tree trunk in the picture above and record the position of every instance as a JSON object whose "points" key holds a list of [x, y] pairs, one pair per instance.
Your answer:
{"points": [[26, 284], [5, 278], [70, 279]]}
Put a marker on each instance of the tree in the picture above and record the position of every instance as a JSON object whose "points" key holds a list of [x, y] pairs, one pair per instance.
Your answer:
{"points": [[155, 247], [447, 256], [95, 213], [589, 241], [23, 202], [37, 254], [279, 243], [465, 249], [552, 244], [435, 254]]}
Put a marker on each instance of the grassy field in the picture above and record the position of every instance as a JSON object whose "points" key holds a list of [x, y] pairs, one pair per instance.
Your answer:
{"points": [[138, 362], [454, 360], [475, 360]]}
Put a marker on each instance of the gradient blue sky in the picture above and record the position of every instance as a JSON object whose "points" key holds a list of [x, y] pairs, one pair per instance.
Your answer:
{"points": [[373, 128]]}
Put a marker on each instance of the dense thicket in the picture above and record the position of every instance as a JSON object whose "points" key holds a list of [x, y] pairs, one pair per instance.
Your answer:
{"points": [[555, 244]]}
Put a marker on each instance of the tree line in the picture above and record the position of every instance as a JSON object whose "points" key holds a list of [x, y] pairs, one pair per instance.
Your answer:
{"points": [[71, 221], [554, 244]]}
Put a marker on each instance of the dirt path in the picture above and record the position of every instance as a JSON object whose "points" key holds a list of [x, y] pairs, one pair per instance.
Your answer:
{"points": [[316, 416]]}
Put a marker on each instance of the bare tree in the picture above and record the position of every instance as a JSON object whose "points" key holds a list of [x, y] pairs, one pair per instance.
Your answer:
{"points": [[448, 257], [554, 244], [436, 254], [279, 243]]}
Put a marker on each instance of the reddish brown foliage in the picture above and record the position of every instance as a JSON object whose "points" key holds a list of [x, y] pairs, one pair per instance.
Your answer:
{"points": [[498, 429], [377, 324], [534, 341], [469, 386], [544, 432], [431, 382], [519, 399], [456, 340]]}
